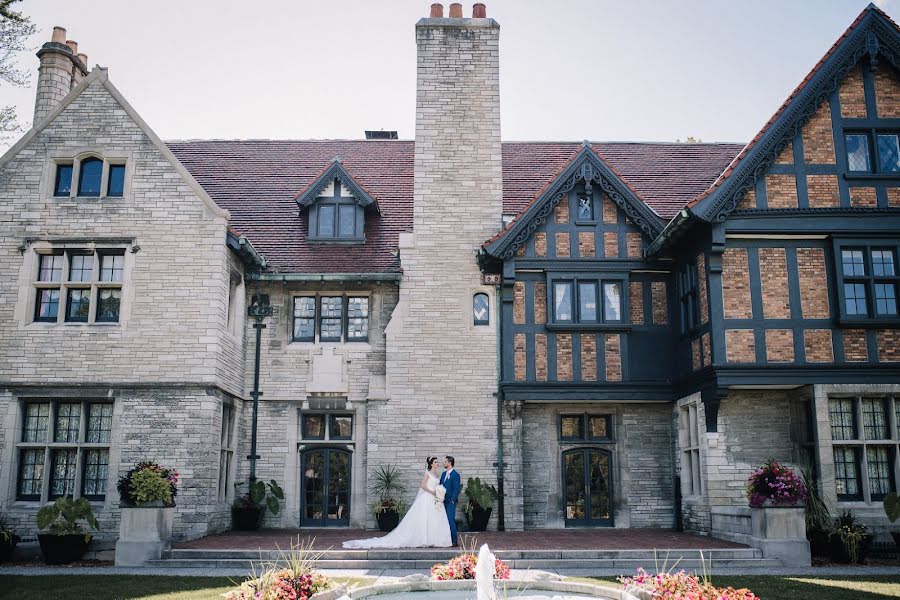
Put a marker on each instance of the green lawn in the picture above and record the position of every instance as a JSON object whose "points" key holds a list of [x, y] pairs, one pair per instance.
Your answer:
{"points": [[770, 587], [121, 587]]}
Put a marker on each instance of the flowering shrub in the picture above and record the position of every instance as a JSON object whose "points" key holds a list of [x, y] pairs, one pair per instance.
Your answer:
{"points": [[683, 586], [463, 567], [776, 483], [284, 584], [147, 482]]}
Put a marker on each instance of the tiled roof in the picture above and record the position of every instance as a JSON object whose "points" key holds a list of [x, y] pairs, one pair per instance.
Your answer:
{"points": [[257, 182]]}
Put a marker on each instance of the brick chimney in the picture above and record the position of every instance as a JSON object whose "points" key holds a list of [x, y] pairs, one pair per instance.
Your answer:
{"points": [[61, 69]]}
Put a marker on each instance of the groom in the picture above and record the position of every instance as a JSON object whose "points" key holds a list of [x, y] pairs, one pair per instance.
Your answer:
{"points": [[450, 481]]}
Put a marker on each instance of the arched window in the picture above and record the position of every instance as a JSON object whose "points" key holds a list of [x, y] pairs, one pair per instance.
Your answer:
{"points": [[89, 177], [481, 309]]}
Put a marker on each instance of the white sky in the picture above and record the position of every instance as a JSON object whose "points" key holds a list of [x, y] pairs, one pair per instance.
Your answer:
{"points": [[570, 69]]}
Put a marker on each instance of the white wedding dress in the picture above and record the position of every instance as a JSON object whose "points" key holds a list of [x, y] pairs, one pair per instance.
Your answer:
{"points": [[425, 525]]}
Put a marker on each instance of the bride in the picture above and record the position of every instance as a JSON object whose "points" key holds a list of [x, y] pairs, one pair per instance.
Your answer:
{"points": [[425, 523]]}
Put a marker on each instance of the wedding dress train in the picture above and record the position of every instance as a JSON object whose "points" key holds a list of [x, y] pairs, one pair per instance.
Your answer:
{"points": [[424, 525]]}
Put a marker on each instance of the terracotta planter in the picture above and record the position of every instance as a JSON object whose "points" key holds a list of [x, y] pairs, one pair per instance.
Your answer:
{"points": [[247, 519], [388, 519], [478, 521], [839, 552], [63, 549]]}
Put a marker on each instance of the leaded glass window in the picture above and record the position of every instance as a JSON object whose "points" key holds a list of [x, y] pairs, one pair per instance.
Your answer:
{"points": [[80, 267], [37, 421], [304, 319], [846, 473], [80, 432], [324, 427], [81, 279], [585, 208], [112, 267], [31, 474], [68, 422], [63, 183], [325, 213], [109, 302], [358, 318], [62, 473], [99, 427], [96, 472], [612, 302], [868, 280], [78, 306], [843, 419], [341, 427], [857, 152], [875, 424], [330, 318], [888, 153], [481, 305], [880, 470], [572, 427], [347, 220]]}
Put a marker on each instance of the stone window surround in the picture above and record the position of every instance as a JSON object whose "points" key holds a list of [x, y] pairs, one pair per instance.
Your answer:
{"points": [[109, 157], [363, 344], [28, 276], [868, 511], [866, 245], [15, 443], [690, 434], [227, 451], [860, 442]]}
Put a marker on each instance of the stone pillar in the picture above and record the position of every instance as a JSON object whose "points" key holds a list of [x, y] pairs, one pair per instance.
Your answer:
{"points": [[780, 532], [441, 368], [59, 72]]}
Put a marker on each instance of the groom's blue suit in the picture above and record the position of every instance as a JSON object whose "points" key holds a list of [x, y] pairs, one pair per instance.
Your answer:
{"points": [[451, 483]]}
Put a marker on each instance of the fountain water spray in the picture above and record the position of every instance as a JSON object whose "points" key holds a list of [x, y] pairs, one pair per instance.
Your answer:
{"points": [[484, 575]]}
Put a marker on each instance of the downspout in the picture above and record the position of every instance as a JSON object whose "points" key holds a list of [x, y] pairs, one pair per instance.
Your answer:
{"points": [[259, 311], [500, 499]]}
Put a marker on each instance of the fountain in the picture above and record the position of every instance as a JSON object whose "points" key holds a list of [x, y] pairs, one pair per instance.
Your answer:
{"points": [[420, 587]]}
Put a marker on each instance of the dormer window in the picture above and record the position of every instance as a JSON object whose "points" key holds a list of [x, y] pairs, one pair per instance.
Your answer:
{"points": [[337, 204], [336, 215]]}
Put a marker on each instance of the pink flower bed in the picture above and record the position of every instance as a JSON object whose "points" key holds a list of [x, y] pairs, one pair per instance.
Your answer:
{"points": [[683, 586]]}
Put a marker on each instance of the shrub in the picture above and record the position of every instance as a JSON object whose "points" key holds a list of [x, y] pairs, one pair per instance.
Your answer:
{"points": [[8, 535], [147, 482], [480, 494], [463, 567], [683, 586], [260, 495], [776, 483], [65, 517]]}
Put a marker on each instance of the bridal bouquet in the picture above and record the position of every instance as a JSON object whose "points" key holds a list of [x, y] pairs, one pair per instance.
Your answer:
{"points": [[439, 493]]}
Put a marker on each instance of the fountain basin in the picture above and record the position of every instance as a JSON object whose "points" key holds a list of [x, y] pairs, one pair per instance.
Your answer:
{"points": [[466, 590]]}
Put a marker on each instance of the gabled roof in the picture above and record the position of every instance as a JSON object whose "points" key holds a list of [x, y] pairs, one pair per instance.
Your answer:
{"points": [[873, 33], [257, 181], [331, 172], [585, 166]]}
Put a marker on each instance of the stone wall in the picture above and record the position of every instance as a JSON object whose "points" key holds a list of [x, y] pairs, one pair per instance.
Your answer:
{"points": [[288, 373], [641, 463]]}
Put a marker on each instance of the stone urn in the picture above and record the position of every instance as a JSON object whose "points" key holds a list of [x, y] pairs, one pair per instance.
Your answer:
{"points": [[145, 533], [779, 530]]}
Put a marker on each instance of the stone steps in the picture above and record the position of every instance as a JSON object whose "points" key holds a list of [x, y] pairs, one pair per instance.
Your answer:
{"points": [[627, 560]]}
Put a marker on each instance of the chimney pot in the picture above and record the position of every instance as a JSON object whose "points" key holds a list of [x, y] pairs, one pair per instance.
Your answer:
{"points": [[437, 11], [73, 46], [479, 11], [456, 10], [83, 58], [59, 35]]}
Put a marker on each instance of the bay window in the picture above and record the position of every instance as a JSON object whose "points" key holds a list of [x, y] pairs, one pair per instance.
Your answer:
{"points": [[585, 301]]}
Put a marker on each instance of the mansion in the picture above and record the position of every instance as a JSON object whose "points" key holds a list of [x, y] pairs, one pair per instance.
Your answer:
{"points": [[614, 334]]}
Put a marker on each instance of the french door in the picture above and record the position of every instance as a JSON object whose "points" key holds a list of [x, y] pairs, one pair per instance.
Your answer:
{"points": [[325, 488], [588, 489]]}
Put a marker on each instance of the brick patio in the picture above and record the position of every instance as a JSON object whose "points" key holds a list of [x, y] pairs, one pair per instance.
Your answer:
{"points": [[547, 539]]}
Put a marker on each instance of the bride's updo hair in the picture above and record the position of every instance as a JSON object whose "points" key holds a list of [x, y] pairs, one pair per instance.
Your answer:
{"points": [[430, 461]]}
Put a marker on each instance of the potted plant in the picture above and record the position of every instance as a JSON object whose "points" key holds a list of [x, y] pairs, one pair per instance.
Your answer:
{"points": [[481, 499], [818, 513], [8, 540], [774, 484], [387, 486], [148, 485], [248, 510], [64, 538], [892, 510], [850, 541]]}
